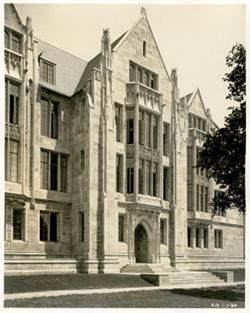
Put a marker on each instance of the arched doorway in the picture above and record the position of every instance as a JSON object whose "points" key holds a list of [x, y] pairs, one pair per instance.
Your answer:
{"points": [[141, 245]]}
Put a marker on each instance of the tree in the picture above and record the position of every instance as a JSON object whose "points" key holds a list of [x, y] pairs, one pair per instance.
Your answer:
{"points": [[223, 154]]}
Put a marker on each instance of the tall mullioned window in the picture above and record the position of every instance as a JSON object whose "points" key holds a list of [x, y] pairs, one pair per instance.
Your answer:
{"points": [[166, 139], [121, 227], [166, 183], [119, 173], [140, 176], [130, 126], [12, 102], [218, 239], [141, 127], [155, 179], [118, 122], [12, 41], [53, 171], [142, 75], [11, 160], [49, 118], [81, 226], [48, 226], [18, 224], [130, 175], [155, 132]]}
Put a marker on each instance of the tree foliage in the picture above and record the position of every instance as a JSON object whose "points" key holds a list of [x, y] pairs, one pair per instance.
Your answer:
{"points": [[223, 153]]}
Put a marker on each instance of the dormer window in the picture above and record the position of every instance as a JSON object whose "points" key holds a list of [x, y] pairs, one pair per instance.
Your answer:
{"points": [[144, 48], [47, 72]]}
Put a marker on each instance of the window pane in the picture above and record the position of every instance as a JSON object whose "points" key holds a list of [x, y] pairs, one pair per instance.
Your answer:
{"points": [[63, 173], [53, 226], [121, 228], [53, 171], [6, 40], [141, 170], [155, 132], [44, 169], [16, 43], [17, 225], [44, 226], [119, 173], [44, 118], [13, 103], [81, 232], [54, 120], [13, 161], [141, 128]]}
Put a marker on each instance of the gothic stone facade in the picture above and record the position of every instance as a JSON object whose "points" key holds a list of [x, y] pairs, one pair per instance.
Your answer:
{"points": [[100, 160]]}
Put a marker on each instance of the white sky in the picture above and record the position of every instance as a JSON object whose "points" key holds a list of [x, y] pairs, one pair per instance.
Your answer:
{"points": [[193, 38]]}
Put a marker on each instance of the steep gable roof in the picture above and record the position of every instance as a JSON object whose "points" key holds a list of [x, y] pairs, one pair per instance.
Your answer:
{"points": [[69, 68], [126, 35], [95, 63], [12, 18]]}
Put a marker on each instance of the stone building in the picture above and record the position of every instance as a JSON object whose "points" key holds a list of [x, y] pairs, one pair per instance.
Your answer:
{"points": [[100, 160]]}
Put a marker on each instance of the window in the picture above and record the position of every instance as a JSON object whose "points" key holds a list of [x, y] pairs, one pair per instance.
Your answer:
{"points": [[48, 226], [119, 173], [139, 75], [142, 75], [18, 224], [53, 176], [166, 139], [121, 228], [130, 127], [15, 43], [218, 194], [146, 79], [49, 119], [144, 48], [47, 72], [63, 165], [153, 82], [131, 73], [155, 179], [53, 170], [155, 132], [12, 40], [54, 120], [130, 175], [81, 227], [197, 198], [141, 168], [206, 200], [201, 198], [44, 175], [189, 235], [148, 130], [198, 238], [12, 102], [165, 184], [218, 239], [82, 157], [148, 177], [163, 230], [205, 237], [196, 122], [141, 128], [12, 160], [118, 122], [6, 39]]}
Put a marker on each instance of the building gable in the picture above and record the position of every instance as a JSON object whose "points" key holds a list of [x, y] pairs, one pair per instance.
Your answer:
{"points": [[12, 19], [196, 104], [139, 34]]}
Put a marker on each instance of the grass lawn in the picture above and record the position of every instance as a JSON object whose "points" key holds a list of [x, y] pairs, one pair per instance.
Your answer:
{"points": [[214, 297], [31, 283]]}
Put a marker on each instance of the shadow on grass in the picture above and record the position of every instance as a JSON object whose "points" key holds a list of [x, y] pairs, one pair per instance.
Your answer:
{"points": [[228, 293]]}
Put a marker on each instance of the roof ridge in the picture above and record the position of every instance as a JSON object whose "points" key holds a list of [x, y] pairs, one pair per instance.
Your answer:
{"points": [[62, 50]]}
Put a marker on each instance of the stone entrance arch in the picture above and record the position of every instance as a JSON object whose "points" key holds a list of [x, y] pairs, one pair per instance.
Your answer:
{"points": [[141, 245]]}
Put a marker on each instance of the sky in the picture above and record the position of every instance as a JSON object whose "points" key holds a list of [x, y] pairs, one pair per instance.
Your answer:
{"points": [[195, 39]]}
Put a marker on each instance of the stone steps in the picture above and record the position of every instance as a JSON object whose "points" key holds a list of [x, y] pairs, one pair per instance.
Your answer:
{"points": [[161, 275]]}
